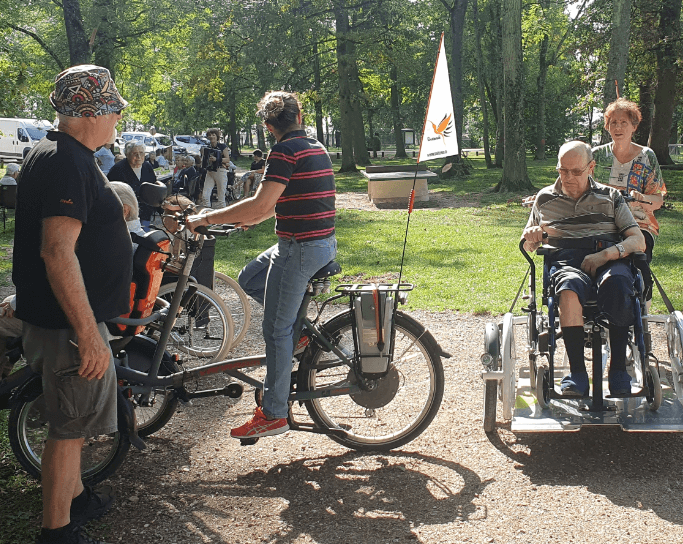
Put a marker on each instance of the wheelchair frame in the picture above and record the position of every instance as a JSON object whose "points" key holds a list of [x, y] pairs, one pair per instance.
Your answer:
{"points": [[529, 396]]}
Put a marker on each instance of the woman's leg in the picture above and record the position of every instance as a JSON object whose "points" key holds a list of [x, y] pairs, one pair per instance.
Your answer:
{"points": [[209, 183]]}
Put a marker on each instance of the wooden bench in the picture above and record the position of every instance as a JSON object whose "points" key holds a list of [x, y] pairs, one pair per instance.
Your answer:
{"points": [[391, 185]]}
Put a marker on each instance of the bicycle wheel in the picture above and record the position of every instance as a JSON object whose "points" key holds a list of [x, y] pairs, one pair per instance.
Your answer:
{"points": [[402, 404], [155, 407], [204, 328], [237, 303], [101, 456]]}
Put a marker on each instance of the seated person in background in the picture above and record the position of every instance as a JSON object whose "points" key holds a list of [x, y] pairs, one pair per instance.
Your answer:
{"points": [[163, 163], [134, 171], [185, 175], [576, 207], [250, 179], [130, 208], [152, 159], [11, 175]]}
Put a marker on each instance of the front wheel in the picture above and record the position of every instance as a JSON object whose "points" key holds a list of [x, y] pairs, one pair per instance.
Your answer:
{"points": [[101, 456], [401, 405], [654, 385]]}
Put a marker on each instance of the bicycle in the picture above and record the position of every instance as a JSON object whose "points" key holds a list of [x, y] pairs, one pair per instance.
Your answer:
{"points": [[370, 377]]}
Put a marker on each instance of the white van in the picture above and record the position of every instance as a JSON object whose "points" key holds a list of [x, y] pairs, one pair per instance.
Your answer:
{"points": [[144, 137], [18, 136]]}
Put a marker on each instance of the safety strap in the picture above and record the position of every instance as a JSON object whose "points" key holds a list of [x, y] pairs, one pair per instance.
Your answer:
{"points": [[519, 290], [667, 302]]}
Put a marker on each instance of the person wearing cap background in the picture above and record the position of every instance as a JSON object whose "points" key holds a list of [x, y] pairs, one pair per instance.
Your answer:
{"points": [[11, 175], [72, 270]]}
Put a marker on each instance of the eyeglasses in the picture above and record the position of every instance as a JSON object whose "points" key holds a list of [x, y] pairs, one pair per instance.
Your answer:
{"points": [[576, 172]]}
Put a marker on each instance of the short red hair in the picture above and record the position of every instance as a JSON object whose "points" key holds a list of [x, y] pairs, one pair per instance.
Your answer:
{"points": [[625, 105]]}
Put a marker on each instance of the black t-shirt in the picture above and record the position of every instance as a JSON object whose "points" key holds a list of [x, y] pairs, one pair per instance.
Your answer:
{"points": [[257, 165], [60, 178]]}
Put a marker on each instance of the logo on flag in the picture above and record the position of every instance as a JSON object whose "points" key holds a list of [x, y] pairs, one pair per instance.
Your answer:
{"points": [[438, 138]]}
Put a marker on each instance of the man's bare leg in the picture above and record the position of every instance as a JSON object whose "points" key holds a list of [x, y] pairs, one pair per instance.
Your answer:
{"points": [[61, 468]]}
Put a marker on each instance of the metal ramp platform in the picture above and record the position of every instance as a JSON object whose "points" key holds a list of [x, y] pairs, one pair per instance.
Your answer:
{"points": [[631, 414]]}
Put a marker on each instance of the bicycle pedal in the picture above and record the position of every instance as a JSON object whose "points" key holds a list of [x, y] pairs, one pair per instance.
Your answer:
{"points": [[248, 441]]}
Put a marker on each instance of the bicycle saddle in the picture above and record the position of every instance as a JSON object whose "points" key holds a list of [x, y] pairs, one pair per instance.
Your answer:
{"points": [[330, 269]]}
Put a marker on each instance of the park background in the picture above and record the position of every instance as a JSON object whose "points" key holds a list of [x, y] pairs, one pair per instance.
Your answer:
{"points": [[526, 76]]}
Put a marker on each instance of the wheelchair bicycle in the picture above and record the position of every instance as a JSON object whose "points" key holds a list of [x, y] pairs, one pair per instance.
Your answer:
{"points": [[530, 395]]}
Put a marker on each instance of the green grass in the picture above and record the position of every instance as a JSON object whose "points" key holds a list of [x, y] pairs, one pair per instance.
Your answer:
{"points": [[464, 259]]}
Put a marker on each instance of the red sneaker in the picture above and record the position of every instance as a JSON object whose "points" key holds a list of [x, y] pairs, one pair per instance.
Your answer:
{"points": [[260, 425]]}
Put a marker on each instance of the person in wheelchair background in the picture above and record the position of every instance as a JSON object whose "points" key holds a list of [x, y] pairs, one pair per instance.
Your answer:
{"points": [[594, 229]]}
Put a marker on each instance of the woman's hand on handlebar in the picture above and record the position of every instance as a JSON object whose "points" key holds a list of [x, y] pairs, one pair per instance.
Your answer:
{"points": [[194, 221]]}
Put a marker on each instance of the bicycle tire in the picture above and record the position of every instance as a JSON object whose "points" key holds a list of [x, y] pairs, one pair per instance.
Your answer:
{"points": [[398, 410], [151, 413], [199, 343], [237, 303], [101, 456]]}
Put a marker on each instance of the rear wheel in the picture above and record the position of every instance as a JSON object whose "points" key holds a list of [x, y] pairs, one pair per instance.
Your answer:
{"points": [[399, 407], [542, 386], [203, 330], [101, 456]]}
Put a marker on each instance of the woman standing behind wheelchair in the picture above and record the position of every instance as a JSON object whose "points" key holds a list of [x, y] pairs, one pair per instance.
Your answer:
{"points": [[627, 166]]}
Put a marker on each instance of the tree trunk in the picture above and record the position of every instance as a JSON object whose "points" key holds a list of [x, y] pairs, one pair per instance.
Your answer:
{"points": [[79, 51], [396, 114], [667, 71], [345, 109], [104, 42], [480, 84], [515, 177], [457, 24], [360, 150], [618, 54], [318, 103], [589, 116], [540, 92], [496, 65], [642, 135], [260, 138], [232, 126]]}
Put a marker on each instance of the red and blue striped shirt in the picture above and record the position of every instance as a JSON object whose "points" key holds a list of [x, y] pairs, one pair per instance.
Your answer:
{"points": [[306, 208]]}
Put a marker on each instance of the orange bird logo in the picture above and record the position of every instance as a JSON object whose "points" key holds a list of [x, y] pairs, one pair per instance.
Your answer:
{"points": [[444, 128]]}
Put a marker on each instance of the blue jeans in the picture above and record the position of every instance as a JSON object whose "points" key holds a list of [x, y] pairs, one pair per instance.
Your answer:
{"points": [[277, 279]]}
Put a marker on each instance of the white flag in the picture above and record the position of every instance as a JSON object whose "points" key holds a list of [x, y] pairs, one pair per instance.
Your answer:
{"points": [[439, 139]]}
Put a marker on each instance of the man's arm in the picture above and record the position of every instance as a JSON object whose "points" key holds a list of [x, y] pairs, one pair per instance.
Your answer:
{"points": [[634, 241], [58, 250], [250, 211]]}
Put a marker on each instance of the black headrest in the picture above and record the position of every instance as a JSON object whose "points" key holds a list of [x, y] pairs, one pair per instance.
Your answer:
{"points": [[153, 194]]}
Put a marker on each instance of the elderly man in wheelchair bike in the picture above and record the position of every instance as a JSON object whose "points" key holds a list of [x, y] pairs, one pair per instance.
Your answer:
{"points": [[594, 229]]}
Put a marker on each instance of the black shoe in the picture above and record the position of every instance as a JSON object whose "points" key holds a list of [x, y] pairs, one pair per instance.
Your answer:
{"points": [[73, 534], [99, 503]]}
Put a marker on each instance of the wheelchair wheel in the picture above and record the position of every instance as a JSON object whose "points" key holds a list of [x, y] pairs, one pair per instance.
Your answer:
{"points": [[492, 347], [542, 386], [402, 404], [509, 358], [654, 385]]}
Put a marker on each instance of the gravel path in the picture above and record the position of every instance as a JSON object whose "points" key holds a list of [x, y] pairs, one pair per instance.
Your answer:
{"points": [[195, 484]]}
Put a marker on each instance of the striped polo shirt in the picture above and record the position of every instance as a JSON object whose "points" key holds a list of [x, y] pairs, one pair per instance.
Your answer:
{"points": [[599, 212], [306, 208]]}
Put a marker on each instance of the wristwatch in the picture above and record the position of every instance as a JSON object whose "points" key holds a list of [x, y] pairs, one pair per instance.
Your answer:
{"points": [[621, 249]]}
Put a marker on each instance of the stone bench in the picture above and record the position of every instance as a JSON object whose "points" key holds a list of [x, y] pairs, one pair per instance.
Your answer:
{"points": [[391, 185]]}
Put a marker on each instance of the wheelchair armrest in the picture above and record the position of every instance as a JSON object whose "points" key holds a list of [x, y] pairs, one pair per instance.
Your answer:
{"points": [[638, 256], [546, 250]]}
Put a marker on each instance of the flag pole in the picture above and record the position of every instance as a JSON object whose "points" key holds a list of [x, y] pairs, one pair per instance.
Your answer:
{"points": [[419, 155]]}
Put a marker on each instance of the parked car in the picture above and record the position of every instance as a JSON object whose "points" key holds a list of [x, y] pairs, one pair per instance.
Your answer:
{"points": [[166, 141], [18, 136], [193, 144]]}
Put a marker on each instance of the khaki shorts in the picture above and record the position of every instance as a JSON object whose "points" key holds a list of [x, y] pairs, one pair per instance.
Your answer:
{"points": [[74, 406]]}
